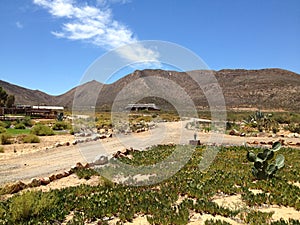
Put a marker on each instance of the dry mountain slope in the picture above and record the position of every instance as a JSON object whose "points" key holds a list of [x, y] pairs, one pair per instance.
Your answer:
{"points": [[266, 88], [27, 96]]}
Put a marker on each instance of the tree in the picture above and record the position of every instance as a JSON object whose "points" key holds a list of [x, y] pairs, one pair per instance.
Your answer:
{"points": [[3, 96], [10, 101]]}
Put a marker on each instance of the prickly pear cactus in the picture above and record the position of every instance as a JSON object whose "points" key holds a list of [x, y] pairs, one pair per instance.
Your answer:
{"points": [[261, 168]]}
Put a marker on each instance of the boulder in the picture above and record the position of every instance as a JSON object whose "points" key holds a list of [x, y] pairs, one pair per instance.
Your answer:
{"points": [[45, 181], [57, 145], [102, 131], [14, 188], [34, 183], [100, 160], [79, 165], [52, 177], [234, 132], [59, 176]]}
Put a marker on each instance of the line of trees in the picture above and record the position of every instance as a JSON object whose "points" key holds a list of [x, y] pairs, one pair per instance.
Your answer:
{"points": [[5, 99]]}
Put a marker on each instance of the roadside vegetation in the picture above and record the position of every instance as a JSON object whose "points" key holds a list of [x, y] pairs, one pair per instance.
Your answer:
{"points": [[171, 201]]}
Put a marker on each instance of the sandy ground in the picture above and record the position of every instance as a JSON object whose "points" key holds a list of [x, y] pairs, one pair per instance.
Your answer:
{"points": [[171, 133], [20, 159]]}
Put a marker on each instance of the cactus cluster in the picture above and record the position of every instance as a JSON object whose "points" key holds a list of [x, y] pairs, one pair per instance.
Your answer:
{"points": [[261, 168]]}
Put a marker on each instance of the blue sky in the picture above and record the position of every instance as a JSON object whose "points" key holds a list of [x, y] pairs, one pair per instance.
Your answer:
{"points": [[49, 44]]}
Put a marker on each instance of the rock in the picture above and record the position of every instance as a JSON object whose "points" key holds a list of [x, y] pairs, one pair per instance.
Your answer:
{"points": [[59, 176], [255, 142], [14, 188], [103, 136], [74, 142], [100, 160], [130, 157], [194, 142], [263, 143], [57, 145], [270, 143], [67, 143], [234, 132], [45, 181], [109, 135], [102, 131], [52, 177], [79, 165], [34, 183], [66, 173], [96, 138]]}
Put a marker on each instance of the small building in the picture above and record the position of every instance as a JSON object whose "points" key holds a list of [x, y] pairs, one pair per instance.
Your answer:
{"points": [[48, 112], [140, 106]]}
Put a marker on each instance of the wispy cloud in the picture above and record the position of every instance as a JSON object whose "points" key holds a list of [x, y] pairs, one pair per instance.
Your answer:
{"points": [[19, 25], [95, 25]]}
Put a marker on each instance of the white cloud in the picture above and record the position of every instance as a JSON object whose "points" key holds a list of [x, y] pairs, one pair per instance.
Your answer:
{"points": [[95, 25], [19, 25]]}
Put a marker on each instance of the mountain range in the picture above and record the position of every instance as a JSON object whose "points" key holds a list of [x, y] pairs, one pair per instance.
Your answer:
{"points": [[264, 89]]}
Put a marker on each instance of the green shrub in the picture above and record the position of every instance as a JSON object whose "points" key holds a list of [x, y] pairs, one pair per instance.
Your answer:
{"points": [[5, 124], [27, 121], [41, 130], [5, 139], [2, 130], [61, 125], [20, 126], [30, 204], [294, 128], [1, 149], [31, 138]]}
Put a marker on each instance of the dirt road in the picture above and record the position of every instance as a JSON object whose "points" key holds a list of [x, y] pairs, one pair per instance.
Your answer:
{"points": [[46, 162]]}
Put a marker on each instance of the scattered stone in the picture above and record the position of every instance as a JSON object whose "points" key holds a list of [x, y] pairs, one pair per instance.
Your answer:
{"points": [[57, 145], [52, 178], [14, 188], [59, 176], [45, 181], [234, 132], [79, 165], [194, 142], [101, 160], [34, 183]]}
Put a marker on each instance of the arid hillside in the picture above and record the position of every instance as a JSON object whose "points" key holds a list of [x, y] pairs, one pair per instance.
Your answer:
{"points": [[265, 89]]}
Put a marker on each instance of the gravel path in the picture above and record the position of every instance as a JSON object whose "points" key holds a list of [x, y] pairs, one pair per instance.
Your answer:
{"points": [[45, 162]]}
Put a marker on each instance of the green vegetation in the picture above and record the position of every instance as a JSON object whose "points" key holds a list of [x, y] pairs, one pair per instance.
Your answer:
{"points": [[5, 99], [14, 132], [5, 139], [2, 130], [262, 169], [20, 126], [61, 125], [230, 174], [41, 130], [31, 138]]}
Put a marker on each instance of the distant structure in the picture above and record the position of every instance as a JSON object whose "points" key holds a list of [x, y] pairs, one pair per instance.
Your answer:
{"points": [[137, 107], [44, 111], [48, 112]]}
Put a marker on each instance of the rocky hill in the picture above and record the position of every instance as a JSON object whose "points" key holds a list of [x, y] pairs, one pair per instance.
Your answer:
{"points": [[265, 89]]}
